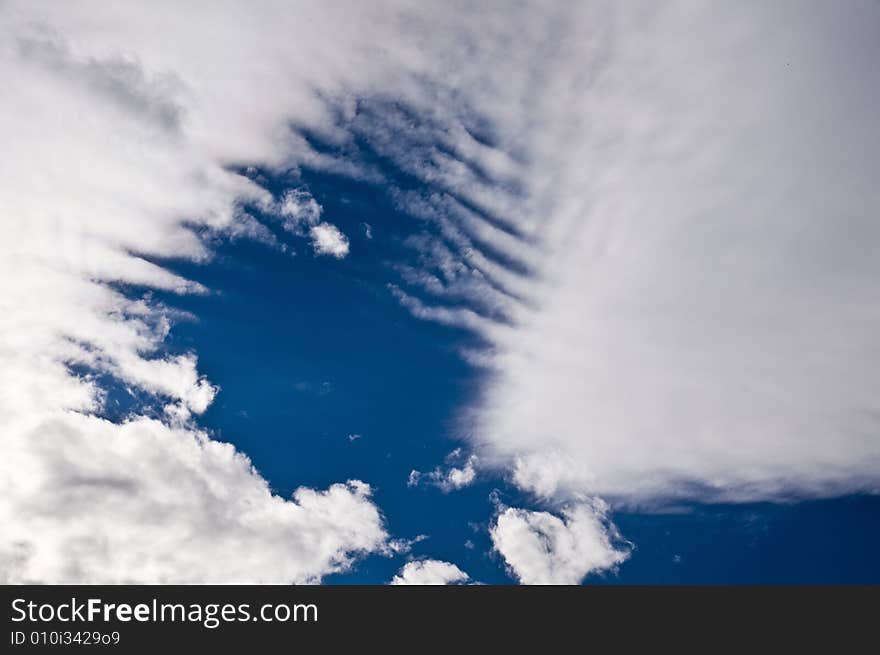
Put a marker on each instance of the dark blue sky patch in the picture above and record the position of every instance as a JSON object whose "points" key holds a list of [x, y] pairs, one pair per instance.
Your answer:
{"points": [[813, 542]]}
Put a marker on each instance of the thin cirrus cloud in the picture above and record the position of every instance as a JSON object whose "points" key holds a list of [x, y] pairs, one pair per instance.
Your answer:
{"points": [[659, 219]]}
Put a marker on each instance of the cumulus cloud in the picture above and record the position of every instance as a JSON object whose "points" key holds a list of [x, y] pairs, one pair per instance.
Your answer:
{"points": [[90, 501], [542, 548], [327, 239], [429, 572]]}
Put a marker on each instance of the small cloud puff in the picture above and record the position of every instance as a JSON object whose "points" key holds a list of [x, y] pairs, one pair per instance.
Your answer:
{"points": [[430, 572], [302, 215], [327, 239], [541, 548], [299, 210], [455, 477]]}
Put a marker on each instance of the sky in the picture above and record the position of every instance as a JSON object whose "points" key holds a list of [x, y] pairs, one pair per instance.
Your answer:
{"points": [[440, 293]]}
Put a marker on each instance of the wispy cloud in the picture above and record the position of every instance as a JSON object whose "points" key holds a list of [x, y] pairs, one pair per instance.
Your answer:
{"points": [[459, 472]]}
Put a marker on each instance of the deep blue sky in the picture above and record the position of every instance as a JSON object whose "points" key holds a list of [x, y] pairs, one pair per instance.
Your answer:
{"points": [[308, 350]]}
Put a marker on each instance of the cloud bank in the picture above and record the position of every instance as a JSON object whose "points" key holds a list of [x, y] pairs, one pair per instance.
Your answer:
{"points": [[707, 323], [662, 224]]}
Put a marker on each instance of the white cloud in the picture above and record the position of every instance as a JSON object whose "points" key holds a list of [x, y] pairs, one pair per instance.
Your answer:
{"points": [[403, 546], [429, 572], [541, 548], [328, 240], [707, 324], [544, 471], [302, 215], [300, 210], [89, 501], [450, 479], [456, 478]]}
